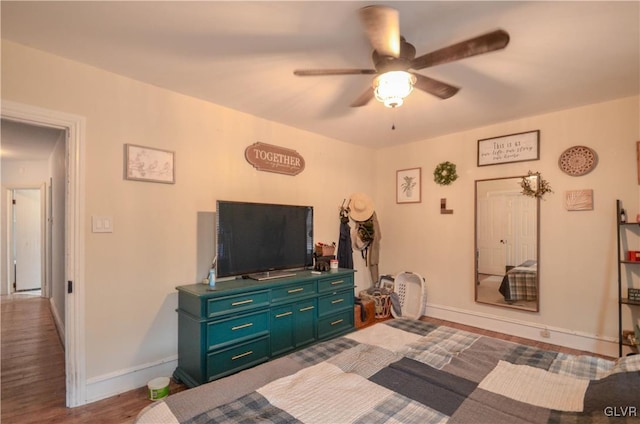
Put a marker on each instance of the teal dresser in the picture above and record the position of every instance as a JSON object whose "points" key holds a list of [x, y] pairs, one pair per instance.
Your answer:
{"points": [[245, 322]]}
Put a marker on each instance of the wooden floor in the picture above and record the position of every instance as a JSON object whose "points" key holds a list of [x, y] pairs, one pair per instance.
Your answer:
{"points": [[33, 378], [32, 372]]}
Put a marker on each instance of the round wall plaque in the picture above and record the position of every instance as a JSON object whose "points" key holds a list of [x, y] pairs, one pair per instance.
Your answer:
{"points": [[578, 160]]}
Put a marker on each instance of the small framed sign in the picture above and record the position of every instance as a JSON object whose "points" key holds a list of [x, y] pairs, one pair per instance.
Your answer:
{"points": [[578, 200], [519, 147]]}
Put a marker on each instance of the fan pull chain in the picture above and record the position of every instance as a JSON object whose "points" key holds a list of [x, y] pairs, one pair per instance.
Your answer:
{"points": [[393, 124]]}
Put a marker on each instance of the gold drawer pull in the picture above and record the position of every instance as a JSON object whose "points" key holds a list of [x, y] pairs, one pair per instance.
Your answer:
{"points": [[242, 355], [243, 302], [337, 322], [284, 314], [239, 327], [333, 302], [334, 283], [295, 290], [308, 308]]}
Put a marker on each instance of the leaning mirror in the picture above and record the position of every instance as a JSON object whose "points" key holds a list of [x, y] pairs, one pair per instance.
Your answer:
{"points": [[507, 244]]}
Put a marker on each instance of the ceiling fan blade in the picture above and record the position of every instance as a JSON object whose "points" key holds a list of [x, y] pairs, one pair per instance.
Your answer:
{"points": [[434, 87], [364, 98], [495, 40], [382, 25], [321, 72]]}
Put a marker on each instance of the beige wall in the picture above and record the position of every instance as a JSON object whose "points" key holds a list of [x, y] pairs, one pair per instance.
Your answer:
{"points": [[130, 275], [578, 273]]}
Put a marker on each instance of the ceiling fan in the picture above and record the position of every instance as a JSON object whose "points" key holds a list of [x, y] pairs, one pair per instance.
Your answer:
{"points": [[393, 57]]}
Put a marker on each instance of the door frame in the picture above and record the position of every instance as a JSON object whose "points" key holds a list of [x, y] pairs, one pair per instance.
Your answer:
{"points": [[74, 334]]}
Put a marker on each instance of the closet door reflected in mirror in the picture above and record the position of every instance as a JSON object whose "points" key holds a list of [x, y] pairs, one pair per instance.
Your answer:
{"points": [[507, 244]]}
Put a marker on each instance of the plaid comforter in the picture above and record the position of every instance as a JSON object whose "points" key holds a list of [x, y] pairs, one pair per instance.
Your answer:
{"points": [[407, 371], [521, 282]]}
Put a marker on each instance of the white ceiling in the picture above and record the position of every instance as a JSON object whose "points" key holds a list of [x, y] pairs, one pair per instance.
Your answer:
{"points": [[241, 55], [24, 142]]}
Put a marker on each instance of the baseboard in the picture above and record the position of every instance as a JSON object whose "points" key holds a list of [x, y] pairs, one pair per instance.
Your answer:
{"points": [[118, 382], [57, 321], [559, 336], [112, 384]]}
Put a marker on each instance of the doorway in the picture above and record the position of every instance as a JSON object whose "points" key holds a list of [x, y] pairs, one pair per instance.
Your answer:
{"points": [[71, 223], [27, 240]]}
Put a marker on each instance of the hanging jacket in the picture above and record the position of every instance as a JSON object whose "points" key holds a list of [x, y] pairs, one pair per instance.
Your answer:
{"points": [[345, 251], [373, 257]]}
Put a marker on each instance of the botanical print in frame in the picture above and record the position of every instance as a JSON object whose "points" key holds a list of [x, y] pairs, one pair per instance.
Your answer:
{"points": [[149, 164], [409, 185]]}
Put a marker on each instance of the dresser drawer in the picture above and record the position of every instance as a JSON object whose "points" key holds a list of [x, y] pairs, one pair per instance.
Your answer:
{"points": [[234, 329], [335, 283], [293, 291], [228, 361], [239, 303], [337, 301], [335, 324]]}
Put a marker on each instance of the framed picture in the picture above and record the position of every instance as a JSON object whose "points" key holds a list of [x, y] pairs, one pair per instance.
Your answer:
{"points": [[387, 285], [519, 147], [578, 200], [409, 185], [148, 164]]}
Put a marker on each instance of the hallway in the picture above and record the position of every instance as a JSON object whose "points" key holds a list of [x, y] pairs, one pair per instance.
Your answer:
{"points": [[32, 359], [33, 372]]}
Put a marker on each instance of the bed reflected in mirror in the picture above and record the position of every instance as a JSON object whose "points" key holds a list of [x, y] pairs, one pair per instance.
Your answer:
{"points": [[506, 244]]}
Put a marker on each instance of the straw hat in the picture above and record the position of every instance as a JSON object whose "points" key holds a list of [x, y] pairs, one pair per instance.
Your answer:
{"points": [[361, 207]]}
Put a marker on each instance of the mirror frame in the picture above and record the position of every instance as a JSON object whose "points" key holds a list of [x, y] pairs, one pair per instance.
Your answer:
{"points": [[476, 253]]}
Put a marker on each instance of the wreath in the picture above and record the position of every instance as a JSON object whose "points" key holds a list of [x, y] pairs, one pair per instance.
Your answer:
{"points": [[445, 173], [533, 185]]}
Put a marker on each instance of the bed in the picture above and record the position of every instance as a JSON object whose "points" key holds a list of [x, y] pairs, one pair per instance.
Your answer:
{"points": [[521, 282], [410, 371]]}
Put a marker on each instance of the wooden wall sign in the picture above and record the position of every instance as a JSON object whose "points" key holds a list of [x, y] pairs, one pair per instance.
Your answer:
{"points": [[509, 148], [270, 158]]}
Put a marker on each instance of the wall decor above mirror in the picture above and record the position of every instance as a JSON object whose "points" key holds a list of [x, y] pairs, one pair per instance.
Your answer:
{"points": [[507, 244], [509, 148]]}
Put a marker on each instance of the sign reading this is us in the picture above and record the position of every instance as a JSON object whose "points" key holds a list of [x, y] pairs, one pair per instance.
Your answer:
{"points": [[509, 148]]}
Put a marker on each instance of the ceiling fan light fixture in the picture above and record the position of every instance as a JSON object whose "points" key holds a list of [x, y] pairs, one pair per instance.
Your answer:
{"points": [[392, 87]]}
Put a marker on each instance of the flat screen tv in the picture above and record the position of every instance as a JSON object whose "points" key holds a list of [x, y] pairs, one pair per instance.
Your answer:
{"points": [[256, 239]]}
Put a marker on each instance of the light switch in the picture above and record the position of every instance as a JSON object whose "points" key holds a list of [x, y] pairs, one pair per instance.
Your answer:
{"points": [[102, 224]]}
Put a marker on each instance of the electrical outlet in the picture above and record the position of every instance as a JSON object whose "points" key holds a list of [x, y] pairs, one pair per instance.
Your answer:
{"points": [[545, 333]]}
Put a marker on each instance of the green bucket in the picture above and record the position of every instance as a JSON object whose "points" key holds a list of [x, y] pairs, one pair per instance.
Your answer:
{"points": [[158, 388]]}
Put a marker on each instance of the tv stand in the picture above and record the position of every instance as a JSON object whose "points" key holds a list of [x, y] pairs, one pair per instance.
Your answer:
{"points": [[270, 275], [246, 322]]}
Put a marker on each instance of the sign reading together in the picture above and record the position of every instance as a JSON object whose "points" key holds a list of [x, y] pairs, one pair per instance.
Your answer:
{"points": [[270, 158]]}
